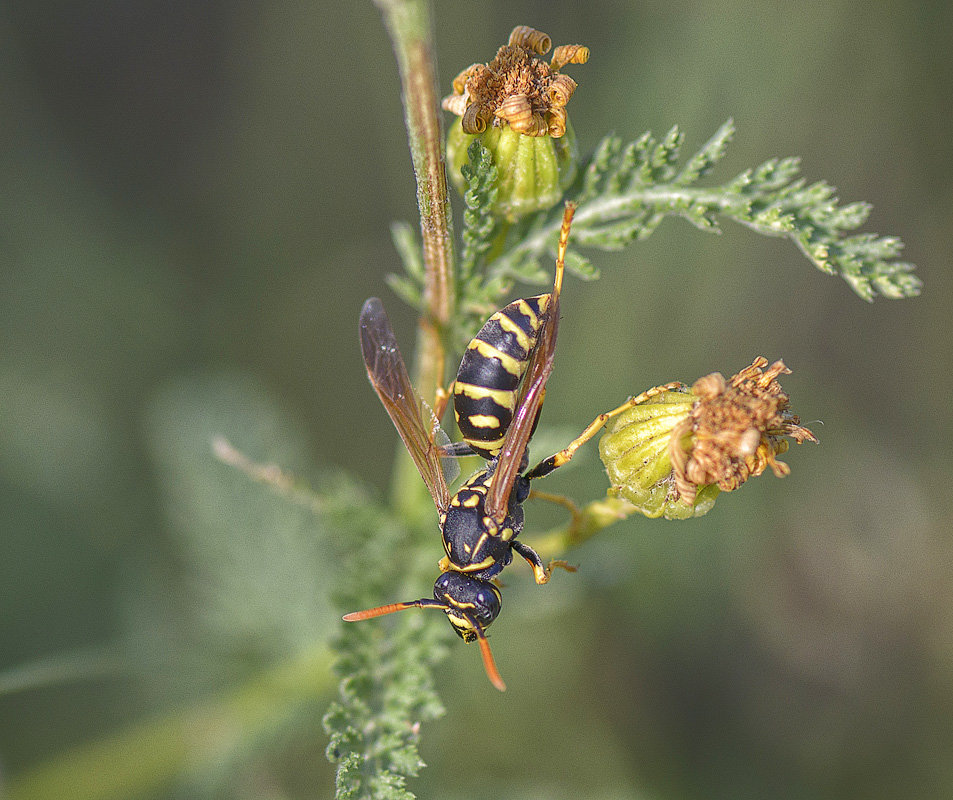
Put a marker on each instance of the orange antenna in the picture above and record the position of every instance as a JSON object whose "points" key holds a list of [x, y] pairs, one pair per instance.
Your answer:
{"points": [[390, 608], [488, 663], [561, 248]]}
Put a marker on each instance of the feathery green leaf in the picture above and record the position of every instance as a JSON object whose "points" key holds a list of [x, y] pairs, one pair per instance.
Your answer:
{"points": [[625, 192]]}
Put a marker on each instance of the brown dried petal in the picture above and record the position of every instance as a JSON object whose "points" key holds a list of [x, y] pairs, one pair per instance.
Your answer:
{"points": [[474, 119], [561, 89], [455, 103], [516, 110], [531, 39], [460, 82], [556, 122], [569, 54], [540, 126]]}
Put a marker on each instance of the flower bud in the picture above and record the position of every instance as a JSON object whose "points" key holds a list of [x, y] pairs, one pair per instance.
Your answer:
{"points": [[532, 171], [516, 106], [635, 452], [671, 454]]}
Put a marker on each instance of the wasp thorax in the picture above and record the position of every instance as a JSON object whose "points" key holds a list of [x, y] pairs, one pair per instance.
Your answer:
{"points": [[672, 454], [516, 104]]}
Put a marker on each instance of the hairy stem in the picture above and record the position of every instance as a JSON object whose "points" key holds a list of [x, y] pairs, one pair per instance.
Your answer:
{"points": [[408, 23]]}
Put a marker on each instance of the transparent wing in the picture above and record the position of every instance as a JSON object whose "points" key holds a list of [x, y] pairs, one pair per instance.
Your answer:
{"points": [[527, 408], [414, 421], [450, 464]]}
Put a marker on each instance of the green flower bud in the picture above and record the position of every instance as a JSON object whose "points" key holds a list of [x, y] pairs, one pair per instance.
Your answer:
{"points": [[635, 452], [516, 106], [671, 452], [532, 171]]}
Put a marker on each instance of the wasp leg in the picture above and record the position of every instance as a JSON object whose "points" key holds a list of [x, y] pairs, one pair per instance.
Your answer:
{"points": [[456, 450], [440, 401], [564, 456], [559, 500], [541, 573]]}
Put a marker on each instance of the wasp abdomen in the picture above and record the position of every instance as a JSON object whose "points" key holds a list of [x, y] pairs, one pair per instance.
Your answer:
{"points": [[488, 381]]}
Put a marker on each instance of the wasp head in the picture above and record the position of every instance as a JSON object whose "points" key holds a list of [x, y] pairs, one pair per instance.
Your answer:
{"points": [[471, 603]]}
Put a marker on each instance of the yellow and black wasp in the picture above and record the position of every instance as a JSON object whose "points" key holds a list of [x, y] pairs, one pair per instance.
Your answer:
{"points": [[498, 395]]}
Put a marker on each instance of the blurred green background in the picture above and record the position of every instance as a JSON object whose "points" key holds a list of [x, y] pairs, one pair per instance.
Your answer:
{"points": [[195, 200]]}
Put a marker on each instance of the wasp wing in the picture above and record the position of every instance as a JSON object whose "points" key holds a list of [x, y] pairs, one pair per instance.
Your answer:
{"points": [[528, 405], [414, 421], [449, 463]]}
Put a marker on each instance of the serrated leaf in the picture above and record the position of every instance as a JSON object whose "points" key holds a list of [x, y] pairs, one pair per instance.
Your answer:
{"points": [[599, 166], [580, 266], [702, 218], [710, 154]]}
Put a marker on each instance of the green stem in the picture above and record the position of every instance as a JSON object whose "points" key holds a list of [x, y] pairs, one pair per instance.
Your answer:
{"points": [[408, 23], [586, 523], [606, 210]]}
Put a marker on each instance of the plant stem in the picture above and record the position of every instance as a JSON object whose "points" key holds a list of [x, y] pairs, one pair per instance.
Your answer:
{"points": [[586, 522], [408, 23]]}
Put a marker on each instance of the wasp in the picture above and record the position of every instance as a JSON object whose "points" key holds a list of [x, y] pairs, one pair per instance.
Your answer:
{"points": [[498, 396]]}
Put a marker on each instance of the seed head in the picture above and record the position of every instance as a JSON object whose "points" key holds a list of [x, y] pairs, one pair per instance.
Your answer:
{"points": [[518, 88], [516, 106], [735, 430], [672, 454]]}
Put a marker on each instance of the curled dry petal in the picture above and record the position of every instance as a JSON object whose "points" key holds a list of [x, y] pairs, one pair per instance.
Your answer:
{"points": [[539, 126], [531, 39], [561, 89], [569, 54], [474, 119], [556, 122], [517, 111], [455, 104], [460, 82]]}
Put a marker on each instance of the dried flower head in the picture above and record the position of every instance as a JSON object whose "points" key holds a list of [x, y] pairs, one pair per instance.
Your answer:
{"points": [[518, 88], [735, 430], [672, 454], [516, 107]]}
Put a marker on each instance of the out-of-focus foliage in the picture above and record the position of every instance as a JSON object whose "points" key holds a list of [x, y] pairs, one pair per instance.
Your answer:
{"points": [[192, 191]]}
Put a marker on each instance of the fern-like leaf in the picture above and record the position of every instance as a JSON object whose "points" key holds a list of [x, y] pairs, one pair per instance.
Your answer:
{"points": [[386, 666], [479, 224], [626, 191]]}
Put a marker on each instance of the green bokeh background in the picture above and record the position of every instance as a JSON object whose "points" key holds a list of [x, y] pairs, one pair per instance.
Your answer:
{"points": [[195, 200]]}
